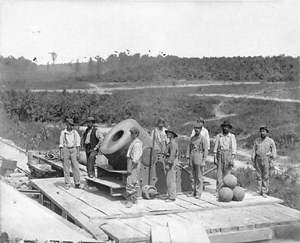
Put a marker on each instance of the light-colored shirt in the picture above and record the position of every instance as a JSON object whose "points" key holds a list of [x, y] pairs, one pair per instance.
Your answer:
{"points": [[135, 150], [160, 138], [198, 145], [264, 147], [204, 133], [69, 139], [225, 142]]}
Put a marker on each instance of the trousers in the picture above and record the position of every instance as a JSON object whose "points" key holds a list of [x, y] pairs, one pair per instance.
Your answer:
{"points": [[196, 179], [132, 185], [224, 168], [91, 157], [70, 159], [171, 181], [262, 173]]}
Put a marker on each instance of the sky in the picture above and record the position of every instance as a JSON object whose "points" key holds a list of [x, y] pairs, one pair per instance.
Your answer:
{"points": [[80, 29]]}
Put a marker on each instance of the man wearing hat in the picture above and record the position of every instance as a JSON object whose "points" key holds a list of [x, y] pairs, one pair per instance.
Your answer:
{"points": [[203, 132], [69, 144], [160, 135], [134, 156], [92, 139], [263, 157], [224, 152], [197, 153], [171, 163]]}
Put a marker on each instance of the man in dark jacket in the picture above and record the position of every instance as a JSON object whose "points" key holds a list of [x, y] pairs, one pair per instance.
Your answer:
{"points": [[92, 139]]}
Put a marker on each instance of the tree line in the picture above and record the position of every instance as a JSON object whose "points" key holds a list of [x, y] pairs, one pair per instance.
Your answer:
{"points": [[123, 67]]}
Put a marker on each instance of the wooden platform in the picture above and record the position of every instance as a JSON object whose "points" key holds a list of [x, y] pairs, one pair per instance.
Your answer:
{"points": [[103, 215], [22, 217]]}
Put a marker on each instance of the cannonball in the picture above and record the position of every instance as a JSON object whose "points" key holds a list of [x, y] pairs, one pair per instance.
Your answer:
{"points": [[238, 193], [225, 194], [230, 181]]}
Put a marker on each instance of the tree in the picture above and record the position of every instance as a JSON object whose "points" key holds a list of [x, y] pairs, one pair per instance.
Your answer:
{"points": [[100, 62], [91, 67], [54, 56], [77, 67]]}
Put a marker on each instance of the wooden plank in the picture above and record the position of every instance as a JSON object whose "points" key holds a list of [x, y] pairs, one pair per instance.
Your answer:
{"points": [[286, 210], [269, 212], [187, 221], [213, 226], [69, 204], [257, 235], [162, 220], [234, 220], [160, 234], [96, 200], [107, 181], [257, 219], [192, 233], [160, 205], [138, 225], [24, 217], [149, 222], [109, 168], [121, 232], [199, 202]]}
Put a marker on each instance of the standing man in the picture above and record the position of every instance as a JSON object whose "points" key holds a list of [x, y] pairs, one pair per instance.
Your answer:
{"points": [[263, 157], [171, 163], [203, 131], [69, 144], [92, 139], [224, 152], [134, 155], [197, 153], [160, 135]]}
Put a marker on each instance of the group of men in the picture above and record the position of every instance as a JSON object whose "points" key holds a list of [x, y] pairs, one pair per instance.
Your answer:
{"points": [[224, 150]]}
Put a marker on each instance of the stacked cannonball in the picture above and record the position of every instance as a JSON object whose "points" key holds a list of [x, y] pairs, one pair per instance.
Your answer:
{"points": [[230, 190]]}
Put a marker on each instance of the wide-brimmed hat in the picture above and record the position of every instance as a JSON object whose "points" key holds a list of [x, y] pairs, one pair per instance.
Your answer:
{"points": [[90, 119], [200, 119], [170, 130], [70, 121], [134, 130], [264, 127], [226, 123]]}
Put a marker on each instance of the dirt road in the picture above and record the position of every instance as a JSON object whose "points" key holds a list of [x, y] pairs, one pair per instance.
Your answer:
{"points": [[257, 97]]}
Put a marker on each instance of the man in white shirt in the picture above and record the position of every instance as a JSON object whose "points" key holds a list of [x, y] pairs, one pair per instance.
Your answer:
{"points": [[69, 144], [203, 131], [134, 155], [224, 152]]}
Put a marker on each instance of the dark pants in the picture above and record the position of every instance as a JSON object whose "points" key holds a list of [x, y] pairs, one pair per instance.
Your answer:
{"points": [[90, 164], [262, 173], [223, 166]]}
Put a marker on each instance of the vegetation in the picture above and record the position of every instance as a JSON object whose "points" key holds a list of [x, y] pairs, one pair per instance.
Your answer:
{"points": [[144, 69]]}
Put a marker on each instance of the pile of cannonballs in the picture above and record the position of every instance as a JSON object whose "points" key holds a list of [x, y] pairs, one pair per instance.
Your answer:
{"points": [[230, 191]]}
